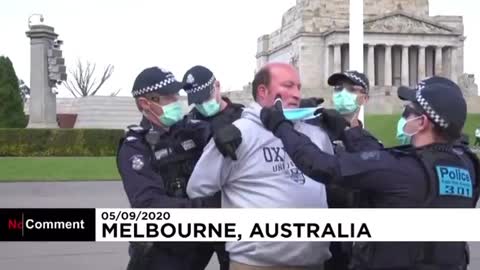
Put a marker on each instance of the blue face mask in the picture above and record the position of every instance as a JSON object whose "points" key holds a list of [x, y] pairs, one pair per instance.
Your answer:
{"points": [[208, 108], [345, 102], [402, 138], [298, 114]]}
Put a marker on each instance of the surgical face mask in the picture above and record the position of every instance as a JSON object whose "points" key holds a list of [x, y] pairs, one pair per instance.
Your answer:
{"points": [[402, 136], [298, 114], [345, 102], [208, 108], [172, 113]]}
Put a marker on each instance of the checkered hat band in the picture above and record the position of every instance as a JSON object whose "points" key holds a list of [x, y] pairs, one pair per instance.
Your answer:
{"points": [[154, 87], [201, 87], [358, 79], [430, 112]]}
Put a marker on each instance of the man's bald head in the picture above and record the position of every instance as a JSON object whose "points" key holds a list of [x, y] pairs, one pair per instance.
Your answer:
{"points": [[277, 79]]}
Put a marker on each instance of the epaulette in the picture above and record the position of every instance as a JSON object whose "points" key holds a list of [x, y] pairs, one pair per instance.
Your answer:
{"points": [[133, 133], [136, 129]]}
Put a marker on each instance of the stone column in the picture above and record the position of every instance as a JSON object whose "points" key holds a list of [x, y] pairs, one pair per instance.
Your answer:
{"points": [[438, 61], [405, 66], [371, 64], [421, 63], [388, 65], [453, 74], [337, 58], [43, 105]]}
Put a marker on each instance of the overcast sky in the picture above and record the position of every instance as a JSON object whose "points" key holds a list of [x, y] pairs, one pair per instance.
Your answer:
{"points": [[173, 34]]}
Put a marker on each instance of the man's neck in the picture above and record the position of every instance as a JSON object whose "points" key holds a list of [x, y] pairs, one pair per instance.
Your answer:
{"points": [[426, 140]]}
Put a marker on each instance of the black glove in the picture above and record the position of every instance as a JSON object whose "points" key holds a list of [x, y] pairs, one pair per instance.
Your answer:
{"points": [[334, 122], [311, 102], [227, 139], [273, 116]]}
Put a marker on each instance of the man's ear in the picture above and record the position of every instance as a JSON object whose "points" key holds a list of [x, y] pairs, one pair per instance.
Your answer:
{"points": [[426, 123], [262, 91], [143, 104], [363, 98]]}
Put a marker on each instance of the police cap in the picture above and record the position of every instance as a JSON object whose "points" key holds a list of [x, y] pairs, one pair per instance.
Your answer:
{"points": [[442, 102], [351, 76], [157, 80], [198, 84]]}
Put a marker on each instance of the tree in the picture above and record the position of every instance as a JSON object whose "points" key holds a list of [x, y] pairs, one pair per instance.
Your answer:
{"points": [[84, 83], [11, 105]]}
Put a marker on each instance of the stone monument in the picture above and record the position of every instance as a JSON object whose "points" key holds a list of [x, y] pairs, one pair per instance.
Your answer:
{"points": [[47, 69], [403, 45]]}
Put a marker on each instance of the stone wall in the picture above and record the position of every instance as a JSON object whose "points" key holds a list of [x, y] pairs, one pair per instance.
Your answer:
{"points": [[102, 112]]}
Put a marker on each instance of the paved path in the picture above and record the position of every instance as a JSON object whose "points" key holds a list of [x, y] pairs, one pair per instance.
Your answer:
{"points": [[77, 255]]}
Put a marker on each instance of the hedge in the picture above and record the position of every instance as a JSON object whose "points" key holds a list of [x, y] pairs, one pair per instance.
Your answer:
{"points": [[59, 142]]}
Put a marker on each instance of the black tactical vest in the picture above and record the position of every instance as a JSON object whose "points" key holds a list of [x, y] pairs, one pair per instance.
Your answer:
{"points": [[452, 174], [174, 158]]}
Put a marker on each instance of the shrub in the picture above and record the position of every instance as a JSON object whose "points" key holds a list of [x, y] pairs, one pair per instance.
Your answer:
{"points": [[59, 142]]}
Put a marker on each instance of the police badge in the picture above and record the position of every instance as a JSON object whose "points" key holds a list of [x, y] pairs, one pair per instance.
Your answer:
{"points": [[190, 79]]}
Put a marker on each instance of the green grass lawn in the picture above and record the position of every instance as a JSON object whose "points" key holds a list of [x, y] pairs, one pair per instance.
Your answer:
{"points": [[57, 168], [104, 168]]}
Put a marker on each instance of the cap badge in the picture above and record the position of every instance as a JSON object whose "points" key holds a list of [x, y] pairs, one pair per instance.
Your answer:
{"points": [[190, 79]]}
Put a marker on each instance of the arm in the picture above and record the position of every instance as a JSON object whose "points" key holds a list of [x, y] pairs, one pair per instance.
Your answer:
{"points": [[310, 159], [144, 187], [209, 173], [348, 169], [357, 139]]}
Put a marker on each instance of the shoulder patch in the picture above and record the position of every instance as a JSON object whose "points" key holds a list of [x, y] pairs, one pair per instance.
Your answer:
{"points": [[137, 162]]}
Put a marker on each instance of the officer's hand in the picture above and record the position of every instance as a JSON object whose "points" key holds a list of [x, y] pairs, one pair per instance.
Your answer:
{"points": [[227, 139], [334, 122], [311, 102], [273, 116]]}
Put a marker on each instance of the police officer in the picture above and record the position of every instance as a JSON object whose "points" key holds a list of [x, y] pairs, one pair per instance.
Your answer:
{"points": [[350, 92], [155, 160], [404, 176], [203, 90]]}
